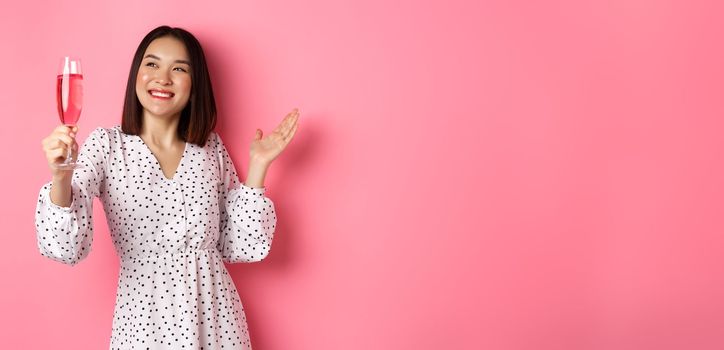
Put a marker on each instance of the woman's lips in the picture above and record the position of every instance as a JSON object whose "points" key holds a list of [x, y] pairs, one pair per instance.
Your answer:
{"points": [[160, 95]]}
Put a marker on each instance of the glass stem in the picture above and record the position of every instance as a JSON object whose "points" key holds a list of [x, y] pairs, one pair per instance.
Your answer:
{"points": [[69, 158]]}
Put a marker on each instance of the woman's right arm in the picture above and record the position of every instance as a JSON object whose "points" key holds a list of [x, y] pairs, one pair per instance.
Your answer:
{"points": [[60, 192], [64, 212]]}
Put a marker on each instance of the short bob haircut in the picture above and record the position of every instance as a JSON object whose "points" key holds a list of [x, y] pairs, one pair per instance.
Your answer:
{"points": [[198, 118]]}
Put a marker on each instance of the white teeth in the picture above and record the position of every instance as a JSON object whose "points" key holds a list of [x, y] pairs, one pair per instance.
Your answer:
{"points": [[160, 94]]}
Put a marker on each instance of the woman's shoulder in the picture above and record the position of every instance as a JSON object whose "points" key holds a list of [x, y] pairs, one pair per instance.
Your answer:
{"points": [[214, 140], [108, 134], [109, 131], [101, 135], [116, 133], [107, 138], [213, 136]]}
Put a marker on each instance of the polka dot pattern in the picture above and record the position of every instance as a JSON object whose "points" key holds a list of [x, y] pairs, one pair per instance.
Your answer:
{"points": [[172, 236]]}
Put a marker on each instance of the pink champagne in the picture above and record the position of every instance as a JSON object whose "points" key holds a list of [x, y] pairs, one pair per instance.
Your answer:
{"points": [[70, 97]]}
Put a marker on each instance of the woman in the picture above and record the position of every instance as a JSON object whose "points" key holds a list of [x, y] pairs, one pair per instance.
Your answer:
{"points": [[175, 207]]}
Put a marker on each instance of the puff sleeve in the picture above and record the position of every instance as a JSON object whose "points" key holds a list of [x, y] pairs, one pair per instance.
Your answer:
{"points": [[65, 234], [247, 216]]}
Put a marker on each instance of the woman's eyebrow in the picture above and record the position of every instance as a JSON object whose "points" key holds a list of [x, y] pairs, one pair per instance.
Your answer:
{"points": [[176, 61]]}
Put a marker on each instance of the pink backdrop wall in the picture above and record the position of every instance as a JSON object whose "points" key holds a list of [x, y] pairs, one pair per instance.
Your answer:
{"points": [[466, 175]]}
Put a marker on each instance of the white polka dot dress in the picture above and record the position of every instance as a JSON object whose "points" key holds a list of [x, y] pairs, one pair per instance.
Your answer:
{"points": [[172, 236]]}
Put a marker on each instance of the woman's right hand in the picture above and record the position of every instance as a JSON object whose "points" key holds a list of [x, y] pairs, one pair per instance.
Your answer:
{"points": [[56, 146]]}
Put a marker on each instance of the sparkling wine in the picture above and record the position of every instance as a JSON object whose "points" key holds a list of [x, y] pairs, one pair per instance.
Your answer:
{"points": [[70, 97]]}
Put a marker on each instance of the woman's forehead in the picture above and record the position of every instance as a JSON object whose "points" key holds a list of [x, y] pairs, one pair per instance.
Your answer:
{"points": [[166, 48]]}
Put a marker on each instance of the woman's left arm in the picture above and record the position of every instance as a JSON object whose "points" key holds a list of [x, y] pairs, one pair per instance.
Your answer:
{"points": [[248, 219]]}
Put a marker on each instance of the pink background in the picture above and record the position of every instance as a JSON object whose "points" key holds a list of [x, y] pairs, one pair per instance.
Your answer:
{"points": [[466, 175]]}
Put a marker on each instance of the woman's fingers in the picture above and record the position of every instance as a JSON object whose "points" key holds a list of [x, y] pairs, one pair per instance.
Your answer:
{"points": [[60, 153], [65, 129], [61, 139], [57, 154], [289, 124], [286, 122], [290, 134], [63, 133], [67, 140], [62, 144]]}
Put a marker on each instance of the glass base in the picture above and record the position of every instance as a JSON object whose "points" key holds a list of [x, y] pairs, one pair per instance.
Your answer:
{"points": [[69, 166]]}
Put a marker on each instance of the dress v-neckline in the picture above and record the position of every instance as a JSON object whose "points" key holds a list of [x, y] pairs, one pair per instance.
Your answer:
{"points": [[158, 164]]}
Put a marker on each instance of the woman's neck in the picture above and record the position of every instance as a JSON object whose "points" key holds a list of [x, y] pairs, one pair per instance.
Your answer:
{"points": [[161, 132]]}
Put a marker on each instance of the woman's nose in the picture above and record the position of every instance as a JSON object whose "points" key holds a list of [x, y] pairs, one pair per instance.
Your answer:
{"points": [[162, 77]]}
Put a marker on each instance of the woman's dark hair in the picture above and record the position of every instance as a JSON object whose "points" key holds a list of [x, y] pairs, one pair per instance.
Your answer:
{"points": [[198, 118]]}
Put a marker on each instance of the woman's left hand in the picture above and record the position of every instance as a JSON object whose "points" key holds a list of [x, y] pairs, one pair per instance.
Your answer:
{"points": [[267, 148]]}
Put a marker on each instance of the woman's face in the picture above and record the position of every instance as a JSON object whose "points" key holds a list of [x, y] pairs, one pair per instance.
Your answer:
{"points": [[163, 83]]}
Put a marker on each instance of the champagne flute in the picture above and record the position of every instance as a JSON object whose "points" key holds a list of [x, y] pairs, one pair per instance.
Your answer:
{"points": [[70, 101]]}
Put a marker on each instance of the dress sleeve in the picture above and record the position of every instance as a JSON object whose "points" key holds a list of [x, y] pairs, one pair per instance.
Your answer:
{"points": [[247, 216], [65, 234]]}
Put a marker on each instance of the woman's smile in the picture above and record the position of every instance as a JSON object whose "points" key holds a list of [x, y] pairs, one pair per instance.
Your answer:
{"points": [[161, 94]]}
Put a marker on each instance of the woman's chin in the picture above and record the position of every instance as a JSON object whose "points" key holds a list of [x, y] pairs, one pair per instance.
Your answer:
{"points": [[160, 113]]}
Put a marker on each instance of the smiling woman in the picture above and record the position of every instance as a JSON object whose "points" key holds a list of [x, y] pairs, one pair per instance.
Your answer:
{"points": [[175, 207]]}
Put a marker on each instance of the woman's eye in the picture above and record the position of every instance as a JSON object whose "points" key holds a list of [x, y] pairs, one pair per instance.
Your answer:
{"points": [[152, 64]]}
